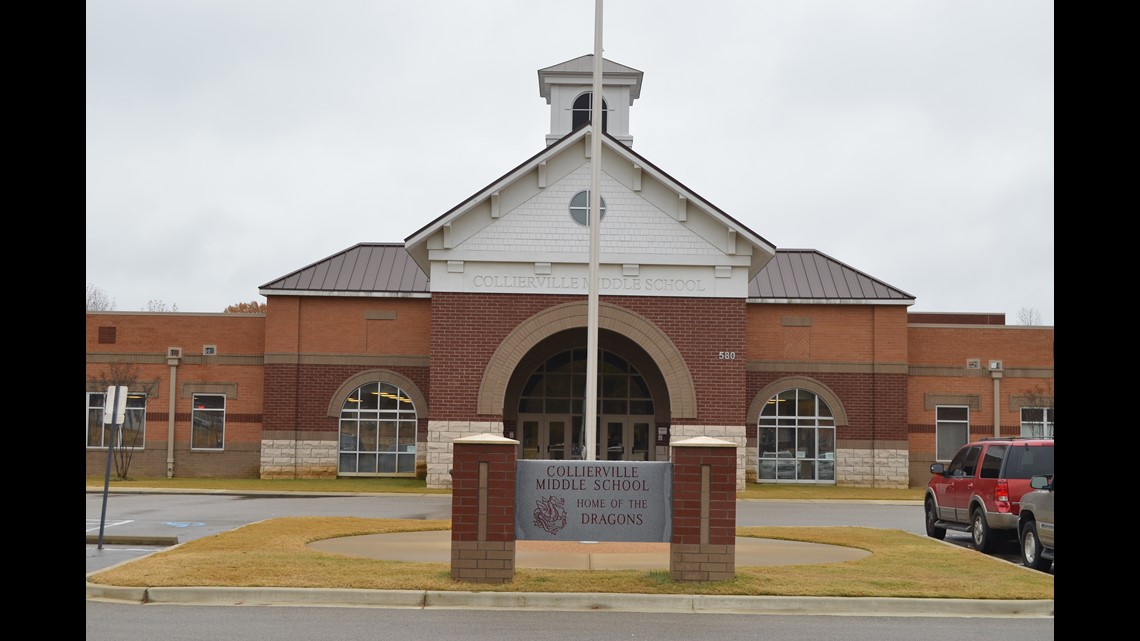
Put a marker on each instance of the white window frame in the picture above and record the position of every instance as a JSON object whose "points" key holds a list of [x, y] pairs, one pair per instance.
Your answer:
{"points": [[136, 416], [798, 428], [1037, 428], [378, 428], [954, 441], [211, 414]]}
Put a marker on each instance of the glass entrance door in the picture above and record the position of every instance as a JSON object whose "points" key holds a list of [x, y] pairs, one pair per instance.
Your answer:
{"points": [[551, 437], [551, 416], [625, 438]]}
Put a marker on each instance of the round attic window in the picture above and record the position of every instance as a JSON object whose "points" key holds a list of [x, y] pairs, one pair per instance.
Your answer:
{"points": [[580, 208]]}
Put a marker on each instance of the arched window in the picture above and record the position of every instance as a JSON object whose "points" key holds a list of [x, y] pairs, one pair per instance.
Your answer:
{"points": [[378, 432], [797, 438], [583, 111]]}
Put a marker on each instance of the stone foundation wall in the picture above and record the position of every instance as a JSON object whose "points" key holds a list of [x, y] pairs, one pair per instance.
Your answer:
{"points": [[439, 449], [733, 433], [872, 468], [289, 459]]}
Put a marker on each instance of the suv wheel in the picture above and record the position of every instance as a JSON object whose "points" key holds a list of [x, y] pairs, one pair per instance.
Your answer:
{"points": [[933, 530], [980, 531], [1031, 547]]}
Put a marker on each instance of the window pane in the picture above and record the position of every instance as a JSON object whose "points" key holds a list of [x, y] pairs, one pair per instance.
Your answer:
{"points": [[95, 436], [387, 437], [367, 436], [208, 420], [348, 463], [406, 464], [951, 438], [131, 432], [952, 413], [534, 386], [794, 442], [209, 402], [377, 420], [641, 407], [614, 406]]}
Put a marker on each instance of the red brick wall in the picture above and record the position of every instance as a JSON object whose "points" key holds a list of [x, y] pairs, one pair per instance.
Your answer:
{"points": [[140, 341], [298, 396], [334, 325], [835, 333], [500, 491], [876, 405], [687, 464], [467, 328], [1016, 346], [234, 334]]}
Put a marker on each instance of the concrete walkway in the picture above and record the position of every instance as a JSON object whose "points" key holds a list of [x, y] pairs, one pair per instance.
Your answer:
{"points": [[435, 547]]}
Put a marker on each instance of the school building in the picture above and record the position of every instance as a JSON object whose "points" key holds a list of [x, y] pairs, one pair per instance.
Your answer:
{"points": [[372, 361]]}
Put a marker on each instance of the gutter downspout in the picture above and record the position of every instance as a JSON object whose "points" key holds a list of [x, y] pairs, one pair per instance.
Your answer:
{"points": [[996, 374], [173, 396]]}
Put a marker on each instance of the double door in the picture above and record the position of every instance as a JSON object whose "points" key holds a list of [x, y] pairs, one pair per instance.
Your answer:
{"points": [[563, 437]]}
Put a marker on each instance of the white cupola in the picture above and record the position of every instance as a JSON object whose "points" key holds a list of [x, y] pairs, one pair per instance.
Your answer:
{"points": [[568, 88]]}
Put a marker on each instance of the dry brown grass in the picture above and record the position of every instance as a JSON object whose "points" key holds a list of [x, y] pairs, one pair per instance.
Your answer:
{"points": [[273, 553]]}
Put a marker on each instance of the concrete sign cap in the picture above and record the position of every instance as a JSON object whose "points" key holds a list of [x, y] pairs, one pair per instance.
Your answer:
{"points": [[703, 441], [487, 437]]}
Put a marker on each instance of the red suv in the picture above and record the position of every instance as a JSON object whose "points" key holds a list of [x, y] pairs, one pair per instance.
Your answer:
{"points": [[980, 490]]}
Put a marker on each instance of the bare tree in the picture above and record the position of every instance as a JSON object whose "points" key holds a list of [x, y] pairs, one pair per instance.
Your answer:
{"points": [[125, 441], [159, 306], [1041, 397], [252, 307], [98, 300], [1028, 316]]}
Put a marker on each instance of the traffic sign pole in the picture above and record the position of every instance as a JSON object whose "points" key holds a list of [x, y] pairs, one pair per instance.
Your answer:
{"points": [[117, 415]]}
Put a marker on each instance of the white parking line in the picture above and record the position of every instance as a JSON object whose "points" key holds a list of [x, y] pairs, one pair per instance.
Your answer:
{"points": [[93, 525]]}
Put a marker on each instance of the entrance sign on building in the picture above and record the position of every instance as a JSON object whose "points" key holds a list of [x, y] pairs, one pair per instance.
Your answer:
{"points": [[561, 500]]}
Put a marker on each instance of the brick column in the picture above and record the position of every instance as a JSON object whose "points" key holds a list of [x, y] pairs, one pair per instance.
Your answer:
{"points": [[703, 547], [483, 509]]}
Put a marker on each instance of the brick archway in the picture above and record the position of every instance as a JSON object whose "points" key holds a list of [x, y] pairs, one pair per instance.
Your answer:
{"points": [[797, 382], [665, 355], [336, 401]]}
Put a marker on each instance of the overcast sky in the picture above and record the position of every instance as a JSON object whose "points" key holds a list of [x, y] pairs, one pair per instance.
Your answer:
{"points": [[231, 142]]}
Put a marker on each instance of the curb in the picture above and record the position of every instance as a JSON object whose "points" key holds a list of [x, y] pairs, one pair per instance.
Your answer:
{"points": [[119, 539], [575, 602]]}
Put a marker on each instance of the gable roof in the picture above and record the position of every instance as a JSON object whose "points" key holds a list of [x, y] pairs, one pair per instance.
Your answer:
{"points": [[416, 243], [386, 269], [583, 66]]}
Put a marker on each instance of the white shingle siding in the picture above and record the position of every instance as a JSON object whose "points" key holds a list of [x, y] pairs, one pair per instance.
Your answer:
{"points": [[631, 226]]}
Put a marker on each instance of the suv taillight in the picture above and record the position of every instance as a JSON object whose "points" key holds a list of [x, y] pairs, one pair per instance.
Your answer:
{"points": [[1001, 496]]}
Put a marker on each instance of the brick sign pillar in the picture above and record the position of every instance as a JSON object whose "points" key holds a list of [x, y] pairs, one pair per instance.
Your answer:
{"points": [[483, 509], [703, 546]]}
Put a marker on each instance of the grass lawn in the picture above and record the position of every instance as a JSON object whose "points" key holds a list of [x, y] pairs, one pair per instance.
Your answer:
{"points": [[273, 553]]}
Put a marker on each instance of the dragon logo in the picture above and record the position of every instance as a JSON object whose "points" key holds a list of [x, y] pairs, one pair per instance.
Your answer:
{"points": [[550, 514]]}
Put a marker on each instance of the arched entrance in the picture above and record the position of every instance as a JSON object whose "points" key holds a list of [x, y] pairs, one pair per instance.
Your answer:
{"points": [[548, 391]]}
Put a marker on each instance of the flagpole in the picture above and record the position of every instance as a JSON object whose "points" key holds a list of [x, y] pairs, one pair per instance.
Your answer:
{"points": [[591, 409]]}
